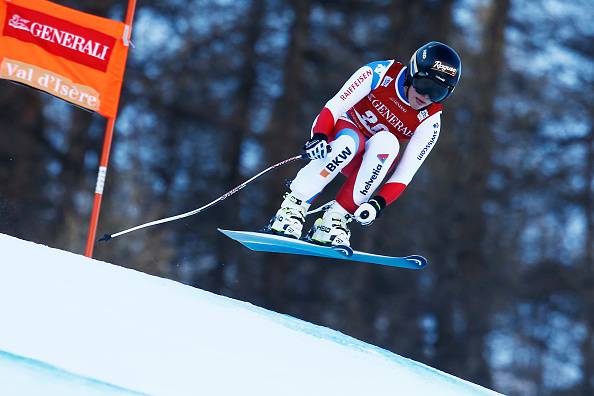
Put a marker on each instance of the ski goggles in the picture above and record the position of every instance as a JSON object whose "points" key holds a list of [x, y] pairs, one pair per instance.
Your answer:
{"points": [[436, 90]]}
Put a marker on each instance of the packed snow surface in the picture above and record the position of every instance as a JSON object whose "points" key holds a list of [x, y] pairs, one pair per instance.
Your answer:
{"points": [[70, 325]]}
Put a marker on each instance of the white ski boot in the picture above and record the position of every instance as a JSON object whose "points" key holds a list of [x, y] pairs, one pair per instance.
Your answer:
{"points": [[289, 219], [332, 228]]}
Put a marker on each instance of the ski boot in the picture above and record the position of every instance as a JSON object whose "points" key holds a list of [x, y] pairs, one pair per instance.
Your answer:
{"points": [[332, 228], [288, 220]]}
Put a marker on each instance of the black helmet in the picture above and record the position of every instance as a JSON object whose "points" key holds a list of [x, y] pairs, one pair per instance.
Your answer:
{"points": [[434, 70]]}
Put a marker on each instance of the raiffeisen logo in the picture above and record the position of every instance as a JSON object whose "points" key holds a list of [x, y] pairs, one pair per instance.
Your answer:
{"points": [[59, 37]]}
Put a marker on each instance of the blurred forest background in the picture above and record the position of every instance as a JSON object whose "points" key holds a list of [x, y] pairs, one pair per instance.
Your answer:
{"points": [[217, 90]]}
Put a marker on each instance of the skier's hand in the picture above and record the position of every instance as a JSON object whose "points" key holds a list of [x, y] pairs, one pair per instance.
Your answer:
{"points": [[317, 147], [370, 210]]}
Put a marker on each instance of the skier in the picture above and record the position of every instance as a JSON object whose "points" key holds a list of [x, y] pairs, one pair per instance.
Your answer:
{"points": [[359, 133]]}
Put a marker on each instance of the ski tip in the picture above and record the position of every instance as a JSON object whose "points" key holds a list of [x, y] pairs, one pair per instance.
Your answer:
{"points": [[418, 260], [228, 233], [105, 238], [343, 249]]}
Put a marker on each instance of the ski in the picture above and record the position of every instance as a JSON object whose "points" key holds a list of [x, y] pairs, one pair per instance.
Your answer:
{"points": [[264, 242]]}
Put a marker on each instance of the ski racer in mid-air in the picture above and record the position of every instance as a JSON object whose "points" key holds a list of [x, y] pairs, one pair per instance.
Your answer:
{"points": [[359, 133]]}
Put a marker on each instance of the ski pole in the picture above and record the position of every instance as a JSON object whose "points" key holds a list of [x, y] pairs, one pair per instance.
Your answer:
{"points": [[107, 237]]}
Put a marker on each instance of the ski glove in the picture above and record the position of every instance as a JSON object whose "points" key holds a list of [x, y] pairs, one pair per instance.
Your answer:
{"points": [[370, 210], [317, 147]]}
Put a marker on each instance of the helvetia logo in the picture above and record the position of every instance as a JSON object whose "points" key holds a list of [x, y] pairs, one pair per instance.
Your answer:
{"points": [[383, 157], [374, 176]]}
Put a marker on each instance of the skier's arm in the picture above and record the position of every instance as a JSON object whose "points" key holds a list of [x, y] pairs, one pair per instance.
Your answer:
{"points": [[359, 85], [417, 150]]}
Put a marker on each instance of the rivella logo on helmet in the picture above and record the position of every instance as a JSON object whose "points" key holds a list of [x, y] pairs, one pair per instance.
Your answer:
{"points": [[443, 68]]}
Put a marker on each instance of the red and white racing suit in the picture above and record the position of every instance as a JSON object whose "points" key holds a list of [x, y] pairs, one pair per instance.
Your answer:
{"points": [[365, 122]]}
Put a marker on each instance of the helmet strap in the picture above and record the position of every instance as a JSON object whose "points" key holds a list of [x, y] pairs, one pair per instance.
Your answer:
{"points": [[407, 80]]}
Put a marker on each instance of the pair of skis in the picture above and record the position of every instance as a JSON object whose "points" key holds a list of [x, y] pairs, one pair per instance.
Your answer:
{"points": [[263, 242]]}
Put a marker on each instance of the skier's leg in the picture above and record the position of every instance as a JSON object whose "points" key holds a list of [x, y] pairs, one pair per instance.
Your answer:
{"points": [[380, 153], [347, 142]]}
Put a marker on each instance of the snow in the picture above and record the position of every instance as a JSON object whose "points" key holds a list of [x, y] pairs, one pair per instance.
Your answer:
{"points": [[71, 325], [21, 376]]}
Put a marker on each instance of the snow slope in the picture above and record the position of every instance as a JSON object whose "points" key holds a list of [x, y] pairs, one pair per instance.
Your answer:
{"points": [[75, 326]]}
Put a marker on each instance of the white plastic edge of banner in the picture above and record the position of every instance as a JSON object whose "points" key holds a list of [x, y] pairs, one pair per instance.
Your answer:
{"points": [[126, 36], [101, 180]]}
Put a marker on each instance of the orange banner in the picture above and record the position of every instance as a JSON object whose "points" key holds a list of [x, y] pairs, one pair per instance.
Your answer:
{"points": [[75, 56]]}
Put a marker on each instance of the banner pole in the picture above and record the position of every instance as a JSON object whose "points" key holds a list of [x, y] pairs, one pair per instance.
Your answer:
{"points": [[130, 13], [102, 174]]}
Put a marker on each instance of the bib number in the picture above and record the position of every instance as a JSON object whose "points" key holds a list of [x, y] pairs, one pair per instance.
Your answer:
{"points": [[371, 123]]}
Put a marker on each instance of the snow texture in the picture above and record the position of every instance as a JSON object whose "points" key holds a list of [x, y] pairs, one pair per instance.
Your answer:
{"points": [[70, 325]]}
